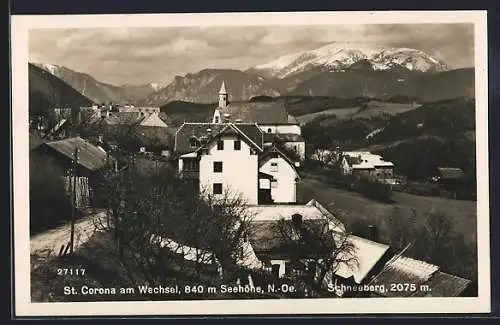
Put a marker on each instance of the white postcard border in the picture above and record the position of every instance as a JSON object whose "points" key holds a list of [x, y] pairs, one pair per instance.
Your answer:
{"points": [[19, 55]]}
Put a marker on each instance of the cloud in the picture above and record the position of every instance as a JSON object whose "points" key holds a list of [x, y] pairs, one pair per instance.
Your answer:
{"points": [[140, 55]]}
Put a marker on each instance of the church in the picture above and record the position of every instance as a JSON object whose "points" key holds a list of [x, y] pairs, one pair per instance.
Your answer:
{"points": [[271, 117], [252, 149]]}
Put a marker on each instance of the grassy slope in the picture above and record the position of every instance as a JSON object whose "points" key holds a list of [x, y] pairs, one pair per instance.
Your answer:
{"points": [[354, 207]]}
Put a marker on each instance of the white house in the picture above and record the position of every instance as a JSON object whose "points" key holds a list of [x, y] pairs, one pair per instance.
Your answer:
{"points": [[223, 158], [364, 163], [231, 158], [267, 240], [284, 176]]}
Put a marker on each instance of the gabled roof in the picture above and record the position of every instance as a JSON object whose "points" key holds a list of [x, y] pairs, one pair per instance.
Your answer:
{"points": [[444, 285], [365, 160], [368, 254], [270, 239], [249, 132], [153, 120], [450, 172], [402, 269], [257, 112], [89, 156], [310, 210], [273, 150]]}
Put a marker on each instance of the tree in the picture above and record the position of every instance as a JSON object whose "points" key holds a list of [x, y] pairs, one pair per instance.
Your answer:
{"points": [[402, 227], [166, 231], [320, 245], [324, 156], [436, 238]]}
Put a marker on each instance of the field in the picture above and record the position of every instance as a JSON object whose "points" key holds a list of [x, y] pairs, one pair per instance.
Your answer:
{"points": [[370, 109], [339, 112], [352, 208]]}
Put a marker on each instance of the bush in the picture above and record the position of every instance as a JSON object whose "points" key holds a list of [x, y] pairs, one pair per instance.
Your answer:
{"points": [[374, 190]]}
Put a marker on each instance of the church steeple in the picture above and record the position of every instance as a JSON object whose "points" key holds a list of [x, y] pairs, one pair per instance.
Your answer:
{"points": [[223, 96], [222, 90]]}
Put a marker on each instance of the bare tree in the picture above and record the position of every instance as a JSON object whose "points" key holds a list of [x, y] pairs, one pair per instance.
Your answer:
{"points": [[166, 231], [228, 230], [321, 243], [325, 157]]}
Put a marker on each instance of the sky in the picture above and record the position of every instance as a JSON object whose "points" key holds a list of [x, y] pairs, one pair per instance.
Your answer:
{"points": [[141, 55]]}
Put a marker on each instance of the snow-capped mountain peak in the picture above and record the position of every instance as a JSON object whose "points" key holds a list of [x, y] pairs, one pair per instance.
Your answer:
{"points": [[339, 56], [156, 86], [52, 68]]}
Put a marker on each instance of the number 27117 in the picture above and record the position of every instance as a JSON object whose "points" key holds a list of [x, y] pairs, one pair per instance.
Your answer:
{"points": [[70, 271]]}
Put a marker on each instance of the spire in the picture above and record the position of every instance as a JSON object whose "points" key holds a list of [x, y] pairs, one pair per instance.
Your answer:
{"points": [[222, 90]]}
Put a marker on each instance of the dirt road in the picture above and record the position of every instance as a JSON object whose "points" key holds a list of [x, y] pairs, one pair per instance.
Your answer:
{"points": [[49, 242]]}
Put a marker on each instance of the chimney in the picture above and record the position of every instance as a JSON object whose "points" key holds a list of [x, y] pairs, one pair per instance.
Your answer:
{"points": [[373, 233], [297, 220]]}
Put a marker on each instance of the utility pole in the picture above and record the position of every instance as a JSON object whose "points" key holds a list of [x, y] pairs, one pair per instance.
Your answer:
{"points": [[73, 210]]}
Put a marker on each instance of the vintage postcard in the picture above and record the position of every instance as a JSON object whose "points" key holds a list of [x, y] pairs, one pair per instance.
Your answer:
{"points": [[262, 163]]}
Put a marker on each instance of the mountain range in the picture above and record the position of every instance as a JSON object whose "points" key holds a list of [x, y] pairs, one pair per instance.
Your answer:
{"points": [[339, 57], [97, 91], [47, 91], [335, 70]]}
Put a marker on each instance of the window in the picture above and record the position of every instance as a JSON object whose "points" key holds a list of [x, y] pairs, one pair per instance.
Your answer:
{"points": [[274, 166], [220, 145], [274, 183], [237, 144], [216, 119], [193, 142], [217, 188], [217, 166], [190, 165], [269, 130]]}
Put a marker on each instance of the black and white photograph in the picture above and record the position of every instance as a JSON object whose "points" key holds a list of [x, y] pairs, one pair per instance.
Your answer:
{"points": [[262, 163]]}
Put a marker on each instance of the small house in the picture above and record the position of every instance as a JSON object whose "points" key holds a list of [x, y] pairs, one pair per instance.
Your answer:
{"points": [[81, 161], [449, 177]]}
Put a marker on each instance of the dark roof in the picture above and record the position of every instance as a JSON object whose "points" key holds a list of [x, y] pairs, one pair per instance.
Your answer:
{"points": [[403, 269], [450, 172], [285, 137], [124, 118], [89, 156], [273, 150], [352, 160], [264, 175], [270, 239], [444, 285], [257, 112], [154, 136], [250, 132]]}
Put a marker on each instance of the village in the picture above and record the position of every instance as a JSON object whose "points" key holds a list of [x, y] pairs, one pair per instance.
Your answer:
{"points": [[251, 157]]}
